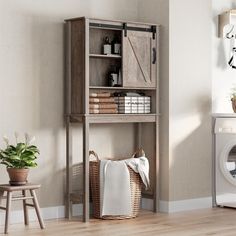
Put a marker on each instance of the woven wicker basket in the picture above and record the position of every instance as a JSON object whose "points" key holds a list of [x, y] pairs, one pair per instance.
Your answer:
{"points": [[135, 184]]}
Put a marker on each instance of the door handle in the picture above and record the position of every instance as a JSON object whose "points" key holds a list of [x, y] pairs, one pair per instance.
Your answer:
{"points": [[154, 55]]}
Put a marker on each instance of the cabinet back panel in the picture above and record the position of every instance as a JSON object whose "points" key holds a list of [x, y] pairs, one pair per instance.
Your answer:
{"points": [[99, 70], [97, 37], [152, 94]]}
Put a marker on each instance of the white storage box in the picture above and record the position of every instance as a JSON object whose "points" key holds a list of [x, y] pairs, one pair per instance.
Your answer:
{"points": [[133, 105]]}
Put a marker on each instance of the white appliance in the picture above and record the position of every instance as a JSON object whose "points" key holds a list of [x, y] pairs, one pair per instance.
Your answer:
{"points": [[224, 171]]}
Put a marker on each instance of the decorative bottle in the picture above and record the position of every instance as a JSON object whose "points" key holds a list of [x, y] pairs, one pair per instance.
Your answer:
{"points": [[106, 46], [113, 76], [116, 45]]}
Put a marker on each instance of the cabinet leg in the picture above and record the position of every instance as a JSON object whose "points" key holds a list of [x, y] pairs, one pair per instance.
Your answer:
{"points": [[1, 196], [8, 209], [157, 170], [138, 135], [86, 169], [26, 216], [68, 170], [37, 209]]}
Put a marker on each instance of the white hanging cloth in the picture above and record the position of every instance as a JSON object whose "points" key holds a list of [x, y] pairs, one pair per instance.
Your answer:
{"points": [[115, 191], [140, 165]]}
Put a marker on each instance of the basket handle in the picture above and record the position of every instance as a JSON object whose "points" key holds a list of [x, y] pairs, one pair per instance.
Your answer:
{"points": [[92, 153], [138, 152]]}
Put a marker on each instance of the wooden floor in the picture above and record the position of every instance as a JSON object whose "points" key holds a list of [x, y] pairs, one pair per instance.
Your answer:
{"points": [[201, 222]]}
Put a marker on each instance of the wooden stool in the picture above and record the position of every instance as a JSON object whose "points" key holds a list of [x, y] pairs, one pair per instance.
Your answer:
{"points": [[9, 190]]}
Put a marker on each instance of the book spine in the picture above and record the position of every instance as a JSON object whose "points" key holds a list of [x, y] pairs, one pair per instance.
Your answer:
{"points": [[100, 95], [101, 100], [103, 111], [103, 106]]}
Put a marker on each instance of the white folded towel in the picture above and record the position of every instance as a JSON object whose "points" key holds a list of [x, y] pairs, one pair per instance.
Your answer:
{"points": [[115, 192], [140, 165]]}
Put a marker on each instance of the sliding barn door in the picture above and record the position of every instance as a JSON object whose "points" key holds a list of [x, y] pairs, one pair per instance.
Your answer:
{"points": [[139, 59]]}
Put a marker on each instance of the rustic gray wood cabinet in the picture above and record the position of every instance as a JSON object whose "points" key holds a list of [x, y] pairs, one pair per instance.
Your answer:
{"points": [[86, 71]]}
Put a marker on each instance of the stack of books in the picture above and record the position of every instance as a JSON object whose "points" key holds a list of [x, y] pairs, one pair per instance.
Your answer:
{"points": [[133, 104], [102, 103]]}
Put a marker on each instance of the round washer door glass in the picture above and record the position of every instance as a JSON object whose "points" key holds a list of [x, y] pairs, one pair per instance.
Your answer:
{"points": [[228, 164], [231, 162]]}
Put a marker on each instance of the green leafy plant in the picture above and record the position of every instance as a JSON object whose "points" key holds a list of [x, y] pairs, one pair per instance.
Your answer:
{"points": [[22, 155]]}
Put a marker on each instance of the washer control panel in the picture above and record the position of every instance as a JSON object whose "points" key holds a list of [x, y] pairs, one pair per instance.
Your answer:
{"points": [[225, 125], [226, 130]]}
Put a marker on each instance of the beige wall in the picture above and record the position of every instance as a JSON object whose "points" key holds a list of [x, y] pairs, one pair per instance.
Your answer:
{"points": [[185, 95], [157, 11], [31, 82], [190, 99], [223, 77]]}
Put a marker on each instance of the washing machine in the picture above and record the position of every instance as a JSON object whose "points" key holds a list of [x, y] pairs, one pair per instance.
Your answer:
{"points": [[224, 163]]}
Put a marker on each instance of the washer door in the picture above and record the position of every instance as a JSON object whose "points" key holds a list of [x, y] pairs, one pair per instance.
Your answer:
{"points": [[228, 162]]}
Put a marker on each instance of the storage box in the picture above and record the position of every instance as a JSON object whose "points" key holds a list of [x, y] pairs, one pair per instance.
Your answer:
{"points": [[133, 105]]}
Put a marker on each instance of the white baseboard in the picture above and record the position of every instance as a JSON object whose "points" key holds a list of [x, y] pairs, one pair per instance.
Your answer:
{"points": [[48, 213], [164, 206], [178, 206], [147, 204], [58, 212], [190, 204]]}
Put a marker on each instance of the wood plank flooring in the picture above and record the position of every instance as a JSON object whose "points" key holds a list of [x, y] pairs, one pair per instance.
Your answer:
{"points": [[193, 223]]}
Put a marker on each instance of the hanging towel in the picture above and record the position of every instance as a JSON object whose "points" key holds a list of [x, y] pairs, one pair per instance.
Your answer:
{"points": [[140, 165], [115, 192], [103, 164]]}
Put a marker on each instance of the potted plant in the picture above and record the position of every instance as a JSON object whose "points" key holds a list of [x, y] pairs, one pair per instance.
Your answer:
{"points": [[19, 158], [233, 99]]}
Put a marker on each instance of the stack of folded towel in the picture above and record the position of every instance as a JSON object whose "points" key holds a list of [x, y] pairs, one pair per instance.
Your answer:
{"points": [[102, 103]]}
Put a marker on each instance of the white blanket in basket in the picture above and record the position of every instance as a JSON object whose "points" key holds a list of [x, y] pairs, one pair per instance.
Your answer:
{"points": [[115, 192], [140, 165]]}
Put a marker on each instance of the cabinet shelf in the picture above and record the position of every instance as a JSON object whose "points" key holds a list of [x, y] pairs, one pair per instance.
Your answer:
{"points": [[121, 118], [115, 118], [91, 55], [121, 88]]}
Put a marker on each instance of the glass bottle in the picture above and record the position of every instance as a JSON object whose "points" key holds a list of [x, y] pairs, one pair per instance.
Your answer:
{"points": [[116, 45], [113, 76], [106, 46]]}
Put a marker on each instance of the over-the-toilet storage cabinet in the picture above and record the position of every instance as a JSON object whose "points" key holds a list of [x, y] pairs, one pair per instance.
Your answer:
{"points": [[86, 71]]}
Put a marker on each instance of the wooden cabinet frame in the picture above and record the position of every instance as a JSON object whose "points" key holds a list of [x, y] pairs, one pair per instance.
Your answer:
{"points": [[79, 82]]}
